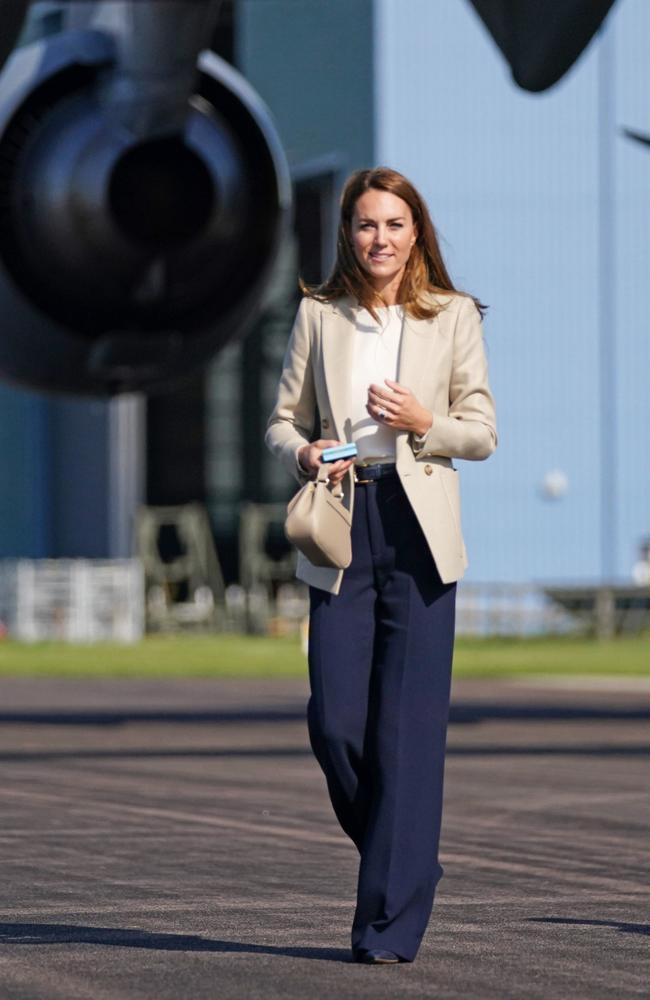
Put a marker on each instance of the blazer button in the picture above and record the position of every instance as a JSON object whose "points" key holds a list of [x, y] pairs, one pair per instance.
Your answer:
{"points": [[428, 469], [325, 422]]}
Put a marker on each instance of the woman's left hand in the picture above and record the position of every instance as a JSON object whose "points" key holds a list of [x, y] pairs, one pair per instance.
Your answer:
{"points": [[397, 407]]}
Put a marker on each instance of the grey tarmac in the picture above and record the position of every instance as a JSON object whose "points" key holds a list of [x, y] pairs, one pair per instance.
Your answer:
{"points": [[173, 839]]}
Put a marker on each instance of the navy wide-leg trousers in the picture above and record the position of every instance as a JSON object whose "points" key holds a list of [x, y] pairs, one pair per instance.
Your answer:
{"points": [[380, 657]]}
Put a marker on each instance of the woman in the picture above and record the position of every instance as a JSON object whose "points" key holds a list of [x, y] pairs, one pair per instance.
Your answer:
{"points": [[391, 357]]}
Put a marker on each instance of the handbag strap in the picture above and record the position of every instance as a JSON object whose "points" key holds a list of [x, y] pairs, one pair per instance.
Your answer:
{"points": [[322, 476]]}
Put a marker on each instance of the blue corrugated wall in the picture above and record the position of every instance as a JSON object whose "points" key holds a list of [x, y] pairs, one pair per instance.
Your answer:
{"points": [[542, 204]]}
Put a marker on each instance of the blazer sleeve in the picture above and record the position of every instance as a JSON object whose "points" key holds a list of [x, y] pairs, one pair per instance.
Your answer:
{"points": [[469, 429], [292, 419]]}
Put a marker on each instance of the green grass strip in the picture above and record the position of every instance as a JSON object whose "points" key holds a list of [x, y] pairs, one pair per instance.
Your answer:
{"points": [[246, 656]]}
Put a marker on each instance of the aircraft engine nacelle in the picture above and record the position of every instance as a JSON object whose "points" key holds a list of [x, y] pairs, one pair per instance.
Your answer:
{"points": [[129, 252]]}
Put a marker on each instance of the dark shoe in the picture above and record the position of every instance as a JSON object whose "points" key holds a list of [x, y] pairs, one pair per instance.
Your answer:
{"points": [[375, 956]]}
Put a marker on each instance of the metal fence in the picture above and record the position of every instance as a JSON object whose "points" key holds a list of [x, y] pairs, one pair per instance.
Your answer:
{"points": [[517, 609], [76, 600], [482, 609], [79, 600]]}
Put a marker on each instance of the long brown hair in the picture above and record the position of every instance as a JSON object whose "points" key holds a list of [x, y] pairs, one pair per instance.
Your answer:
{"points": [[425, 269]]}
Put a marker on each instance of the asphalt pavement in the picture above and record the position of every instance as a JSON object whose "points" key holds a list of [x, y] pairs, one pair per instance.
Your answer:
{"points": [[173, 839]]}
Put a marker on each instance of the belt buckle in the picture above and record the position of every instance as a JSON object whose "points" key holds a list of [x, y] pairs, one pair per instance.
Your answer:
{"points": [[360, 482]]}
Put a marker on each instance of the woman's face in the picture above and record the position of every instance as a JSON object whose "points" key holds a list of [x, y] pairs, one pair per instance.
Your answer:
{"points": [[383, 233]]}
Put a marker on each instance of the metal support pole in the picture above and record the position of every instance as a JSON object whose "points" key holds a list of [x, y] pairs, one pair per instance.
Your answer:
{"points": [[126, 471], [607, 301]]}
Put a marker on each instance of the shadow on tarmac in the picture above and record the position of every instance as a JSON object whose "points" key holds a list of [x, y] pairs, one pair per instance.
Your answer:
{"points": [[461, 712], [616, 924], [482, 750], [115, 937]]}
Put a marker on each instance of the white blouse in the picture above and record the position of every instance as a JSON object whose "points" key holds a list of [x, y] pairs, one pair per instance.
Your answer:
{"points": [[374, 358]]}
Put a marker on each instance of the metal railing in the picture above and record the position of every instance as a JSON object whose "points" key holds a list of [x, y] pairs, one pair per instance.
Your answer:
{"points": [[75, 600]]}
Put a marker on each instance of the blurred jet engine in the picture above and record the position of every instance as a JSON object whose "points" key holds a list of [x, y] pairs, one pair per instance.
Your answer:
{"points": [[143, 194], [541, 41]]}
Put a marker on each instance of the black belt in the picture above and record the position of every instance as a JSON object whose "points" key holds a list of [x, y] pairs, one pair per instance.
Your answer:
{"points": [[371, 473]]}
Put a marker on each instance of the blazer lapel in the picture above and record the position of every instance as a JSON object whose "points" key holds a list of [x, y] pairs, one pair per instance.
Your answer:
{"points": [[413, 365], [415, 351], [337, 329]]}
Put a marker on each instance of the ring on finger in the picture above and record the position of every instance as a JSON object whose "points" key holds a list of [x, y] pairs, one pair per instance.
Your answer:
{"points": [[382, 414]]}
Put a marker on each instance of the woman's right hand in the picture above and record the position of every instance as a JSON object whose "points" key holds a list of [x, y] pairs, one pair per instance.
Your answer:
{"points": [[309, 458]]}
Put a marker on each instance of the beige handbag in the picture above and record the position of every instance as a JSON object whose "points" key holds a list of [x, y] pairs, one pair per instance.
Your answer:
{"points": [[319, 525]]}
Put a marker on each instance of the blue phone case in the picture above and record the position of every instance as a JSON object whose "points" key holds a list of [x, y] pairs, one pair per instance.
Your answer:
{"points": [[339, 451]]}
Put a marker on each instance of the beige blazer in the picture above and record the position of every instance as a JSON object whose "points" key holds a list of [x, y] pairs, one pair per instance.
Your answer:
{"points": [[442, 361]]}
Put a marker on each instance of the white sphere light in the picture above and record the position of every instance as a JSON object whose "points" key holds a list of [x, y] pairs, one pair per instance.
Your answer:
{"points": [[555, 484]]}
